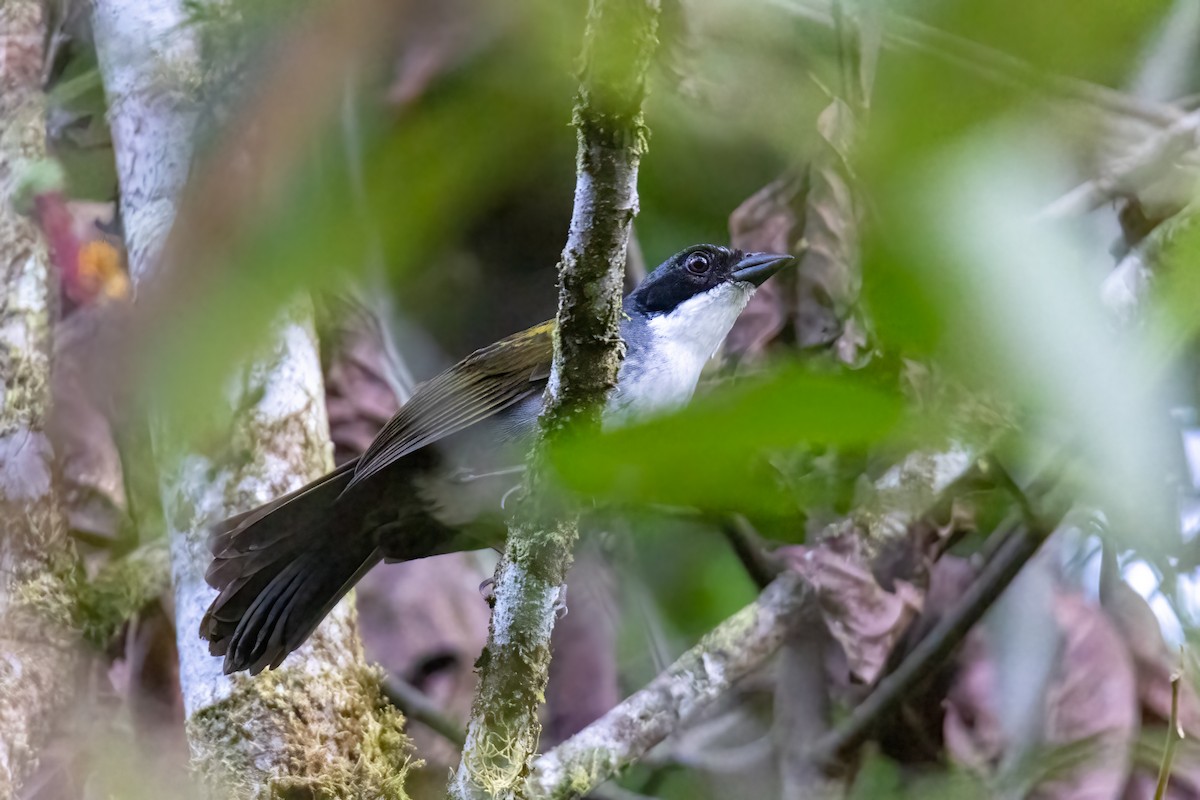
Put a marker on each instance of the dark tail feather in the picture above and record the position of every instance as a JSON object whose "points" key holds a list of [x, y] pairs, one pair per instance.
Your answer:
{"points": [[279, 570]]}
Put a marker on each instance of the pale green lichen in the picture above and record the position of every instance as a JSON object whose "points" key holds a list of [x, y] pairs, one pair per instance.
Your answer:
{"points": [[34, 606], [24, 385], [496, 759], [49, 594], [46, 572]]}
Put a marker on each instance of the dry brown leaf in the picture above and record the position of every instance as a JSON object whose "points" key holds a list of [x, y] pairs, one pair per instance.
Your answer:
{"points": [[914, 733], [359, 393], [1091, 706], [819, 209], [831, 265], [80, 428], [1153, 658], [866, 620], [1154, 664], [1094, 697], [770, 220]]}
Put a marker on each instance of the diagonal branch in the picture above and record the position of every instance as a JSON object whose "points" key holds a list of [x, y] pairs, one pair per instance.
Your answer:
{"points": [[620, 39], [625, 734], [738, 646], [1148, 162], [902, 33], [417, 706]]}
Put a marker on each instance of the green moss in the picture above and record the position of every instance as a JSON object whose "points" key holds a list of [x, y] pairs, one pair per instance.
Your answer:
{"points": [[49, 594], [583, 774], [34, 178], [359, 751], [60, 592], [122, 588], [26, 387]]}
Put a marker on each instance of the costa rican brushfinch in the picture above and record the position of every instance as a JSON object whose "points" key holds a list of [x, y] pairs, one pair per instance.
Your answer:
{"points": [[437, 471]]}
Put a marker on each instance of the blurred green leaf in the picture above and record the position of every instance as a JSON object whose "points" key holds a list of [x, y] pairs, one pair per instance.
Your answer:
{"points": [[691, 571], [424, 181], [711, 455], [1099, 41], [909, 316], [1177, 296], [880, 777], [924, 101], [1020, 306]]}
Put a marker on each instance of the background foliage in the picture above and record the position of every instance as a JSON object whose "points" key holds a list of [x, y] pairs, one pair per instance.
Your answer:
{"points": [[428, 166]]}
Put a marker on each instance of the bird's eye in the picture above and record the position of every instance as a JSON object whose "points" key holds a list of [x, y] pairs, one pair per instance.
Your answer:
{"points": [[697, 263]]}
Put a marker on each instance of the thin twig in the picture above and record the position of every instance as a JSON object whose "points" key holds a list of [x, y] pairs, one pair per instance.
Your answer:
{"points": [[1174, 734], [903, 33], [1004, 478], [761, 565], [938, 645], [417, 706], [626, 733]]}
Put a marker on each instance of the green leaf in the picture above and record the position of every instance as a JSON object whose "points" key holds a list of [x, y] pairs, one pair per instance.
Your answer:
{"points": [[716, 455]]}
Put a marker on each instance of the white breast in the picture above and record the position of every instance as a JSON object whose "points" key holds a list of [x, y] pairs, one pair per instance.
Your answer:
{"points": [[663, 373]]}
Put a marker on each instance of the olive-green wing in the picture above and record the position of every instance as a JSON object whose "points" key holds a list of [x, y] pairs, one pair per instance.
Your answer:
{"points": [[482, 384]]}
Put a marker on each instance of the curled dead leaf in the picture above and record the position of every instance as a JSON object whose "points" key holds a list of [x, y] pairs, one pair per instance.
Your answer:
{"points": [[866, 620]]}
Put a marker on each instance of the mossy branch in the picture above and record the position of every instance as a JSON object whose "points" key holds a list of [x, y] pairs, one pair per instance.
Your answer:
{"points": [[625, 734], [502, 738]]}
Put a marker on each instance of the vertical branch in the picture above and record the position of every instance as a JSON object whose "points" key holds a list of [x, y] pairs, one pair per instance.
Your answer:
{"points": [[151, 71], [38, 661], [802, 712], [320, 726], [503, 734]]}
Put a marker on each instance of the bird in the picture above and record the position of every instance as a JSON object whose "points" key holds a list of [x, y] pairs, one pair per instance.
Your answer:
{"points": [[433, 479]]}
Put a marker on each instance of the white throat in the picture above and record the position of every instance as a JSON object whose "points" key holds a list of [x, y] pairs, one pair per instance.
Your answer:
{"points": [[662, 374]]}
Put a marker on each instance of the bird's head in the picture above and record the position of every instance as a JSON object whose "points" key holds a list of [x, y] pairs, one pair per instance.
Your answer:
{"points": [[701, 291]]}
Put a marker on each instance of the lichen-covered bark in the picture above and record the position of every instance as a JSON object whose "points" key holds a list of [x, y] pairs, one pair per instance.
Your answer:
{"points": [[319, 727], [151, 71], [1126, 288], [37, 653], [319, 723], [910, 488], [503, 734], [622, 736]]}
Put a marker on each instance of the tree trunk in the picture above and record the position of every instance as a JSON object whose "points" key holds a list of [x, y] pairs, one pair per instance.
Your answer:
{"points": [[38, 648], [318, 726]]}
